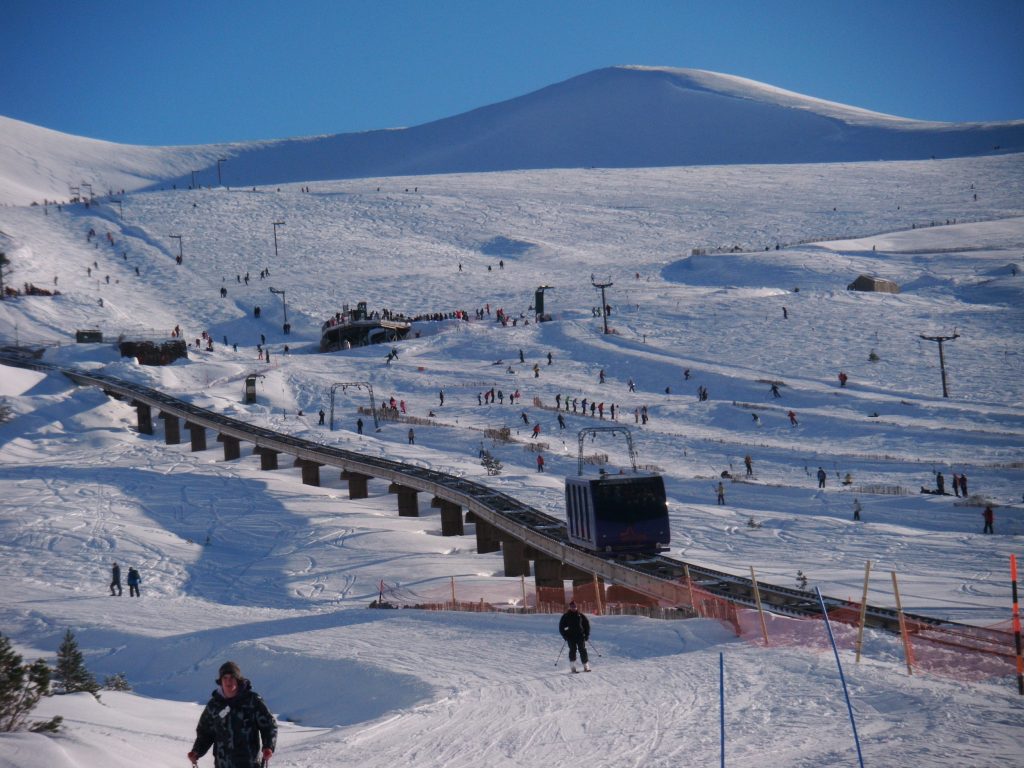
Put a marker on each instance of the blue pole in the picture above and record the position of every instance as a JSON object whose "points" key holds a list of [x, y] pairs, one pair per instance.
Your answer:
{"points": [[721, 699], [842, 677]]}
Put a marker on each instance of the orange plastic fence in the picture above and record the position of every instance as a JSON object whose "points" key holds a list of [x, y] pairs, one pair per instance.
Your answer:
{"points": [[961, 652]]}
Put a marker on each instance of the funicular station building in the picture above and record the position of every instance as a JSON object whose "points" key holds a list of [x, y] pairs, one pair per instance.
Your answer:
{"points": [[358, 327]]}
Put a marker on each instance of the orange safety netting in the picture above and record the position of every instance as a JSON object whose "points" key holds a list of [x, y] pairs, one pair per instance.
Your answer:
{"points": [[953, 650]]}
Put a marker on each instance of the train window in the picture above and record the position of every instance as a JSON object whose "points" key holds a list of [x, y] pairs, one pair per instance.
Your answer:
{"points": [[633, 499]]}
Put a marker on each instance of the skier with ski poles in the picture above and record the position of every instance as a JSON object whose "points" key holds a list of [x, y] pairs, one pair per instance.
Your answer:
{"points": [[574, 628]]}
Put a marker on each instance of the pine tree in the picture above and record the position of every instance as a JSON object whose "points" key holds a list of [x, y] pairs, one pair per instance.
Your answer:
{"points": [[71, 674], [116, 682], [21, 687]]}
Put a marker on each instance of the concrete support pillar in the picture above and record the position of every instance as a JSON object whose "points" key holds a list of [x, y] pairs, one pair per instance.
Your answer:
{"points": [[145, 417], [232, 447], [513, 552], [550, 584], [310, 471], [408, 500], [268, 458], [172, 429], [451, 517], [198, 433], [487, 539], [357, 484]]}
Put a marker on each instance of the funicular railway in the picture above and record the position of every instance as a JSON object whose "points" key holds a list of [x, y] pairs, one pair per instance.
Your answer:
{"points": [[502, 522]]}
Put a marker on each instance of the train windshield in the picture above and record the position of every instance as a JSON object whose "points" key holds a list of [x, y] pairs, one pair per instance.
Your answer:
{"points": [[630, 500]]}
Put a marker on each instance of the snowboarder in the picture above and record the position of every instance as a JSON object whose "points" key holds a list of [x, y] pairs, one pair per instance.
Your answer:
{"points": [[856, 509], [235, 722], [990, 517], [821, 477], [115, 580], [574, 628], [133, 582]]}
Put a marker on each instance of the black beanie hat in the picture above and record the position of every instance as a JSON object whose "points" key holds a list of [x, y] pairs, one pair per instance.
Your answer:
{"points": [[229, 668]]}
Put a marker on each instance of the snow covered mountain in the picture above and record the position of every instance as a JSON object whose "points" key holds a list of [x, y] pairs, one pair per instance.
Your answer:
{"points": [[617, 117]]}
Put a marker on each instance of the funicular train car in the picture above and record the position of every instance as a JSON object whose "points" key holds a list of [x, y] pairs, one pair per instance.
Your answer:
{"points": [[617, 513]]}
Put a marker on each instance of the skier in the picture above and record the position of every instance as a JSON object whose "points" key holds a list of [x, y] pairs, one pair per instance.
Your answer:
{"points": [[821, 477], [792, 418], [133, 582], [412, 436], [440, 396], [540, 463], [940, 483], [748, 462], [359, 426], [775, 391], [956, 484], [842, 379], [561, 421], [536, 430], [990, 517], [721, 493], [574, 628], [234, 723], [115, 580], [856, 509], [322, 414], [963, 484]]}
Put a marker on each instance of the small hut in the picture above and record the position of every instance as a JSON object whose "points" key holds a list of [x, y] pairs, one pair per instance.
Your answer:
{"points": [[876, 284]]}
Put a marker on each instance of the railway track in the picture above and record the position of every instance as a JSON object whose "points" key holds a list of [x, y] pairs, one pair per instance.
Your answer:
{"points": [[658, 576]]}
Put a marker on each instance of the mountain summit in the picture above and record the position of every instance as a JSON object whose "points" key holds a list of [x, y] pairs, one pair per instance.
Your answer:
{"points": [[618, 117]]}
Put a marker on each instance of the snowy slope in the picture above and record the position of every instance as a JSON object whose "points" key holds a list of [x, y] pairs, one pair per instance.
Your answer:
{"points": [[252, 565], [618, 117]]}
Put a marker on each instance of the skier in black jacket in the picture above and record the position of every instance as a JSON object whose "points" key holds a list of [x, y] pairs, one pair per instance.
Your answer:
{"points": [[234, 722], [574, 628]]}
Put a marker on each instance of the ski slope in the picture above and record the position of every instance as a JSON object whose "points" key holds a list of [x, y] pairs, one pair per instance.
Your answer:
{"points": [[254, 566]]}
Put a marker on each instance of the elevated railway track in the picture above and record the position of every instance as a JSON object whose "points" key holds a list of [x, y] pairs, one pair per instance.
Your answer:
{"points": [[664, 579]]}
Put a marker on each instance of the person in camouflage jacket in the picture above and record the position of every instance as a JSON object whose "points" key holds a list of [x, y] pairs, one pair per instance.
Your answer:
{"points": [[234, 723]]}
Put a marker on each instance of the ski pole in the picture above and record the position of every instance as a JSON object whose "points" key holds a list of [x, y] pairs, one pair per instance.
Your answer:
{"points": [[560, 653], [594, 648]]}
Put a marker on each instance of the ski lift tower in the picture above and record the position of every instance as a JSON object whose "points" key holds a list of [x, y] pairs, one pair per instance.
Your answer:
{"points": [[604, 304], [942, 358]]}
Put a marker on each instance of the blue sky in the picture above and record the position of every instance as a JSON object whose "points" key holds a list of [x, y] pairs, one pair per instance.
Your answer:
{"points": [[190, 72]]}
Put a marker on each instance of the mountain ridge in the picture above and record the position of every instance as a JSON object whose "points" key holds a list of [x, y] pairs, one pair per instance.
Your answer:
{"points": [[615, 117]]}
